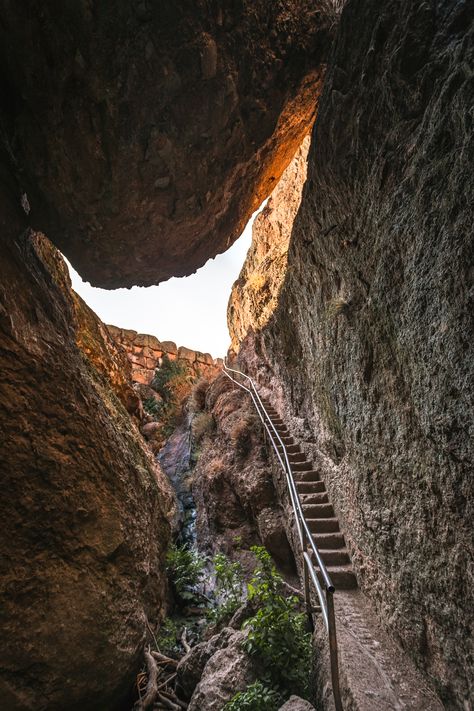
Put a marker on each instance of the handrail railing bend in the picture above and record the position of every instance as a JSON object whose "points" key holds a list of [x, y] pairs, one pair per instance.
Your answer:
{"points": [[304, 534]]}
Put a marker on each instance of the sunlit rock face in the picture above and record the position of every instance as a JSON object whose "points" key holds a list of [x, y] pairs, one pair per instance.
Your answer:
{"points": [[141, 138], [371, 346], [84, 515], [255, 294], [145, 353]]}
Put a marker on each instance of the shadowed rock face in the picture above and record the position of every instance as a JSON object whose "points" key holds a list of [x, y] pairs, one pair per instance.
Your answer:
{"points": [[371, 345], [141, 138], [84, 515]]}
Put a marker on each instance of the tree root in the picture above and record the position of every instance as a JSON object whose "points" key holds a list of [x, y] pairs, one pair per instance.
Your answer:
{"points": [[152, 686]]}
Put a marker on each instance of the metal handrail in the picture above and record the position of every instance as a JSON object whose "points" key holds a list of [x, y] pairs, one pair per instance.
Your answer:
{"points": [[305, 536]]}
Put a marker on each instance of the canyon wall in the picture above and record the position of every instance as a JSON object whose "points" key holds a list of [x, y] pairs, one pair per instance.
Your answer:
{"points": [[370, 349], [145, 354], [237, 506], [142, 140], [85, 512]]}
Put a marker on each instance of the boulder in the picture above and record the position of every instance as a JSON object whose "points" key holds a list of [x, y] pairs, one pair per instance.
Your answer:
{"points": [[191, 666], [186, 354], [295, 703], [84, 527], [228, 671], [179, 120]]}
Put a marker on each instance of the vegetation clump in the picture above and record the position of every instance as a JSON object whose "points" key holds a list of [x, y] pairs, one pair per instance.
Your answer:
{"points": [[256, 697], [185, 568], [229, 588], [168, 371], [277, 635]]}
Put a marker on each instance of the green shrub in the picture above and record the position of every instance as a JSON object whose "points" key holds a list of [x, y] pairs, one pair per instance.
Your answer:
{"points": [[152, 406], [168, 638], [229, 587], [168, 370], [185, 568], [256, 697], [277, 634]]}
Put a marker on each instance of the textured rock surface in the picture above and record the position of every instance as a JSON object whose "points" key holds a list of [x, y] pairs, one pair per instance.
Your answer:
{"points": [[84, 524], [233, 486], [256, 292], [145, 354], [371, 344], [191, 666], [228, 671], [141, 140], [295, 703]]}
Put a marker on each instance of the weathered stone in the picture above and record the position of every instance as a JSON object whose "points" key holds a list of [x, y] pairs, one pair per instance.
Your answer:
{"points": [[205, 358], [295, 703], [191, 666], [228, 671], [150, 428], [147, 342], [186, 354], [216, 99], [255, 294], [84, 526], [169, 348], [233, 482], [144, 376], [271, 530]]}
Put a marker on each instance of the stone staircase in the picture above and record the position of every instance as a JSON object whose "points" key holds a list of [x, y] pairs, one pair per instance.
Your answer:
{"points": [[376, 675], [317, 508]]}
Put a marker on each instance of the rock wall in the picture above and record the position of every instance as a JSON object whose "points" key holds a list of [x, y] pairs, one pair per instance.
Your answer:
{"points": [[370, 349], [255, 294], [142, 140], [84, 519], [233, 487], [145, 354]]}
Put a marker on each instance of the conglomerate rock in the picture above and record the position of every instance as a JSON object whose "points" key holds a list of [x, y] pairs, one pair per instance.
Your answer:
{"points": [[370, 349], [84, 515], [141, 136]]}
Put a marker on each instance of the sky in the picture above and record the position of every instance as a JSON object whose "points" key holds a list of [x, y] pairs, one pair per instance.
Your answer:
{"points": [[191, 311]]}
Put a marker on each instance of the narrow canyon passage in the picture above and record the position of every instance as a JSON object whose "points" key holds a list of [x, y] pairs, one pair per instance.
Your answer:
{"points": [[177, 530]]}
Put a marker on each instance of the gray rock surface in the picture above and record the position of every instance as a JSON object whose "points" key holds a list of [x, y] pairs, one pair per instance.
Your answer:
{"points": [[295, 703], [191, 666], [370, 348], [227, 672]]}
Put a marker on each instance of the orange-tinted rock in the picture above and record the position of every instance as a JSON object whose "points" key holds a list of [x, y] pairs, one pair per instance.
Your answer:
{"points": [[255, 294], [186, 354], [169, 347], [83, 528], [145, 138]]}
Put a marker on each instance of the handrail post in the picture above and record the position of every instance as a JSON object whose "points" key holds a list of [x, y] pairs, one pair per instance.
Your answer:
{"points": [[333, 651]]}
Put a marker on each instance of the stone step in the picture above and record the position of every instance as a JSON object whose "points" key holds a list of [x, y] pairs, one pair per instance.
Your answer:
{"points": [[300, 477], [323, 525], [338, 557], [314, 511], [329, 541], [342, 577], [303, 466], [296, 457], [291, 448], [310, 487], [320, 497]]}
